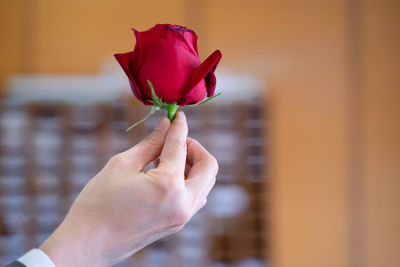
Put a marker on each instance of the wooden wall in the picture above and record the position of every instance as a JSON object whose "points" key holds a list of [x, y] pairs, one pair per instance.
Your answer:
{"points": [[335, 107], [332, 69], [75, 36], [381, 128]]}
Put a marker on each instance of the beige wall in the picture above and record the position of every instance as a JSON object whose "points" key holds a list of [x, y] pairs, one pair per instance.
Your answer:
{"points": [[382, 132], [11, 38], [75, 36], [332, 71], [335, 137]]}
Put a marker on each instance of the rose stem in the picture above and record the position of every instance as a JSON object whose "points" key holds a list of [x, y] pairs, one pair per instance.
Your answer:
{"points": [[171, 111]]}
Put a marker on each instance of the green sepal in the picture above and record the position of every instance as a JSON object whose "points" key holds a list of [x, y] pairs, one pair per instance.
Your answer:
{"points": [[204, 101], [156, 100], [153, 109], [170, 108]]}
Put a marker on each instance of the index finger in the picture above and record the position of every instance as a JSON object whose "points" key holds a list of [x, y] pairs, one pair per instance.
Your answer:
{"points": [[173, 155]]}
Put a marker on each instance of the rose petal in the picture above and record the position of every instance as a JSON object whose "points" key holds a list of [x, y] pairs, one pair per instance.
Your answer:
{"points": [[125, 60], [188, 36], [204, 71], [197, 94], [168, 61], [191, 38], [137, 55]]}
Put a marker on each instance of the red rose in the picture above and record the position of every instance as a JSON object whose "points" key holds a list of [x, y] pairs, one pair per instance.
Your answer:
{"points": [[167, 56]]}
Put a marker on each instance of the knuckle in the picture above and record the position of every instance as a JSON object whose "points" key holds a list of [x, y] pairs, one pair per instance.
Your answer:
{"points": [[180, 215], [212, 179], [178, 209], [178, 143], [203, 204], [118, 161], [213, 163], [175, 190], [170, 189], [170, 171], [168, 185]]}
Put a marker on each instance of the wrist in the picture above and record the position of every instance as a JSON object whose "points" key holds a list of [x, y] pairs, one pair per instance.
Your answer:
{"points": [[74, 245]]}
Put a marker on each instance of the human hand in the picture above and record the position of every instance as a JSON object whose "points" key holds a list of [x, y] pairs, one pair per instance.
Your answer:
{"points": [[122, 209]]}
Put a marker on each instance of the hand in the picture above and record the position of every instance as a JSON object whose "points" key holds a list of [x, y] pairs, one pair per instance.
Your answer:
{"points": [[122, 209]]}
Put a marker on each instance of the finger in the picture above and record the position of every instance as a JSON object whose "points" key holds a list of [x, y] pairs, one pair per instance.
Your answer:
{"points": [[149, 148], [173, 155], [201, 177], [201, 204]]}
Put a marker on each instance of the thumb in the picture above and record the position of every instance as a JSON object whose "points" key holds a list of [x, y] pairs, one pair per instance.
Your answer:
{"points": [[173, 155], [149, 148]]}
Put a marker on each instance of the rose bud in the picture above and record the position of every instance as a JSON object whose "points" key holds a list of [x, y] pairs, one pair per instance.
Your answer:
{"points": [[165, 70]]}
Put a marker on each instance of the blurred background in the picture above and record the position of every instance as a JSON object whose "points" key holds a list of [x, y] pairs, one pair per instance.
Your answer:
{"points": [[306, 132]]}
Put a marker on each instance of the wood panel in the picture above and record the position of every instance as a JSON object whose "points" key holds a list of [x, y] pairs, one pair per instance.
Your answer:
{"points": [[11, 38], [76, 36], [332, 70], [382, 132], [301, 49], [44, 36]]}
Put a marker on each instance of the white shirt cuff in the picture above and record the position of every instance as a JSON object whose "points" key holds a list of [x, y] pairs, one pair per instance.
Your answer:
{"points": [[36, 258]]}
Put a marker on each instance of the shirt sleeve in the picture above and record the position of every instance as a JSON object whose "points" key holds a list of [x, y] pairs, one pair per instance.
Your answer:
{"points": [[36, 258]]}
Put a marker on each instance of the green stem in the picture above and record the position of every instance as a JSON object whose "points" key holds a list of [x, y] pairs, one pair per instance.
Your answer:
{"points": [[171, 110], [153, 109]]}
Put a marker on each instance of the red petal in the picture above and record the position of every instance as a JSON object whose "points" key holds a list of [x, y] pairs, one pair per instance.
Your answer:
{"points": [[191, 38], [137, 56], [125, 60], [188, 36], [204, 71]]}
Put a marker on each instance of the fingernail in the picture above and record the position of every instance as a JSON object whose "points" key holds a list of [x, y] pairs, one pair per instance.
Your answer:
{"points": [[181, 115], [161, 124]]}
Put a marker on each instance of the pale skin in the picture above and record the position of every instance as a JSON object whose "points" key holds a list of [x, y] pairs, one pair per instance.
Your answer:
{"points": [[123, 209]]}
